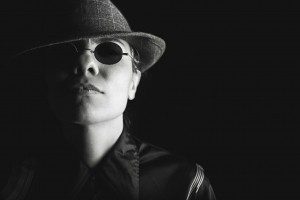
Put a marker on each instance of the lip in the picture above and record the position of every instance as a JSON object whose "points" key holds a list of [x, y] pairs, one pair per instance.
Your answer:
{"points": [[85, 88]]}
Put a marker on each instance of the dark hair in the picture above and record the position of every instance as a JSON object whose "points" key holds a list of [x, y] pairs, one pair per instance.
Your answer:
{"points": [[136, 59], [135, 67]]}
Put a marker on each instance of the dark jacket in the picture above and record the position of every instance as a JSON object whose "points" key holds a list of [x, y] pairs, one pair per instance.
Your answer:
{"points": [[130, 170]]}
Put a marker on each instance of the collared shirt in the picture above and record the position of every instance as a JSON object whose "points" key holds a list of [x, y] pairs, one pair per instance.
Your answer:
{"points": [[131, 170]]}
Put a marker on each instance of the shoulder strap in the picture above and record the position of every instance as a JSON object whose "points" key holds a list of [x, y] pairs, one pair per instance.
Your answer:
{"points": [[196, 183], [19, 181]]}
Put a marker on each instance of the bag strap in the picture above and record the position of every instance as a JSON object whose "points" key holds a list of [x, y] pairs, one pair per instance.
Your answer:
{"points": [[19, 181], [196, 183]]}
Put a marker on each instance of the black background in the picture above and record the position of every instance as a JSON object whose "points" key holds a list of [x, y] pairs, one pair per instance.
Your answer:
{"points": [[225, 93]]}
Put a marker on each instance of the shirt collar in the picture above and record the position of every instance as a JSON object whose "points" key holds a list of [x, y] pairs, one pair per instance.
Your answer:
{"points": [[119, 169]]}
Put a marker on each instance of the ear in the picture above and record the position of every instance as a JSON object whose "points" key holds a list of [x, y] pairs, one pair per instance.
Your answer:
{"points": [[136, 77]]}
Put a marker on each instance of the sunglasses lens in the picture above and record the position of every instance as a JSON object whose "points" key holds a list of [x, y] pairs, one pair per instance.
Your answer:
{"points": [[108, 53], [60, 56]]}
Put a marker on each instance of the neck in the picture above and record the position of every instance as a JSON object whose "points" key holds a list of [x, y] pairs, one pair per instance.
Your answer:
{"points": [[93, 141]]}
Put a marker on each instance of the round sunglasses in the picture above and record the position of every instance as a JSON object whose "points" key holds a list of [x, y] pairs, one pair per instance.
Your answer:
{"points": [[107, 53]]}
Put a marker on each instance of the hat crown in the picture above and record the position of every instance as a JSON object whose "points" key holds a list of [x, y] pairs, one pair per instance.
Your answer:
{"points": [[101, 15], [78, 17]]}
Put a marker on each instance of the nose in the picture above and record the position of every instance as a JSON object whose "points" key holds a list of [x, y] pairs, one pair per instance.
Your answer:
{"points": [[87, 64]]}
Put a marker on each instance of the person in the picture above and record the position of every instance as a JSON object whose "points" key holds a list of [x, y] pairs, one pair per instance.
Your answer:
{"points": [[91, 63]]}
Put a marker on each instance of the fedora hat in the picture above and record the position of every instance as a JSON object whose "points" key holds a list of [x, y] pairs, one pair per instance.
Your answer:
{"points": [[55, 22]]}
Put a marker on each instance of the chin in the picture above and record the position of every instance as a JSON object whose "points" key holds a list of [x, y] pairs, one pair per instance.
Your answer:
{"points": [[88, 118], [86, 114]]}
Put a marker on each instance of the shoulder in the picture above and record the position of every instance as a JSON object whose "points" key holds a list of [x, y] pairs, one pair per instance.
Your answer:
{"points": [[164, 175], [154, 159]]}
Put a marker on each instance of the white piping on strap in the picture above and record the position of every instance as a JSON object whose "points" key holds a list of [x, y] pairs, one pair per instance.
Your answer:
{"points": [[196, 183]]}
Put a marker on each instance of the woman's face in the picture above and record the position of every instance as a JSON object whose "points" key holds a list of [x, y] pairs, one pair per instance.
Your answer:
{"points": [[85, 91]]}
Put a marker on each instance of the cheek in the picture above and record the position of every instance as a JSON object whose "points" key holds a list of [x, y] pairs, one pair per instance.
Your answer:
{"points": [[53, 77], [120, 89], [52, 80], [120, 86]]}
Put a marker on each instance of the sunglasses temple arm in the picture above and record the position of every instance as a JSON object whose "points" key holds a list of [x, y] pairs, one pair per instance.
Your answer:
{"points": [[127, 54]]}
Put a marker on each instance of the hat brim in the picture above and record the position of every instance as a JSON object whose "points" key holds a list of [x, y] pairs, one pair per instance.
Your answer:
{"points": [[149, 47]]}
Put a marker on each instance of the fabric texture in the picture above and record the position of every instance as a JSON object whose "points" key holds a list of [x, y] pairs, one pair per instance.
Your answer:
{"points": [[131, 170]]}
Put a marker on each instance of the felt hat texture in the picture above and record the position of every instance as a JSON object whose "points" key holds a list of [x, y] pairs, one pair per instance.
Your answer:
{"points": [[72, 20]]}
